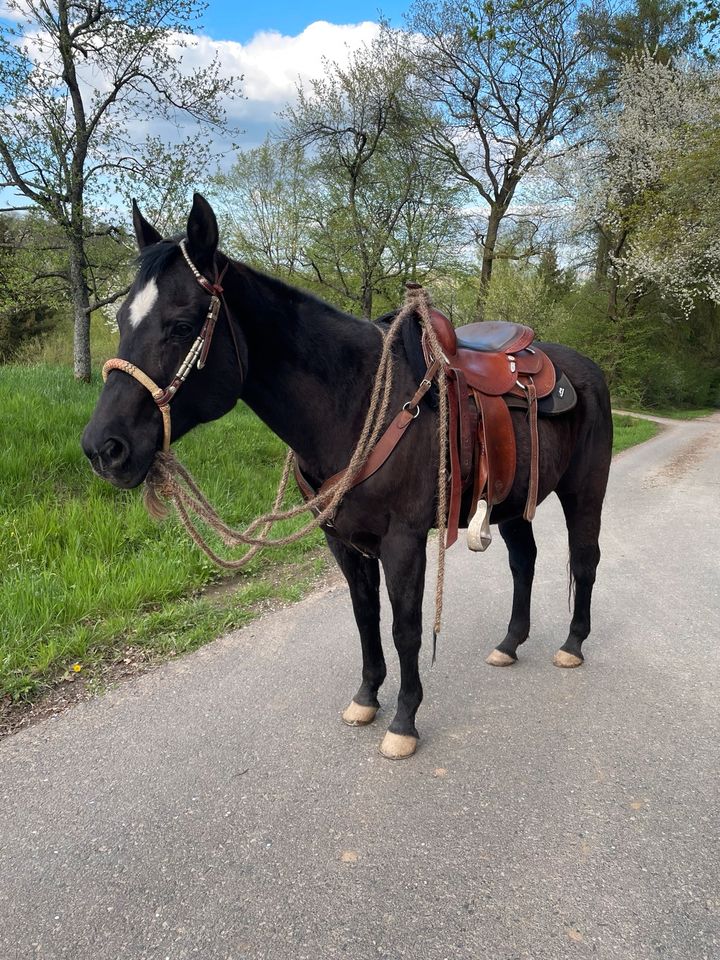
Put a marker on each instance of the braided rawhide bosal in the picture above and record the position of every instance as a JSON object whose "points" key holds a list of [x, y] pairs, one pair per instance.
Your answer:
{"points": [[169, 482]]}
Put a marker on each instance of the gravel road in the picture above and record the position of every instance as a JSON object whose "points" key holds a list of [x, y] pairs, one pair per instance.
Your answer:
{"points": [[217, 808]]}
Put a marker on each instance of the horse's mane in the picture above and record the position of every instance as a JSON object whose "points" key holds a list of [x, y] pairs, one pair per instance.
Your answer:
{"points": [[410, 341], [156, 258]]}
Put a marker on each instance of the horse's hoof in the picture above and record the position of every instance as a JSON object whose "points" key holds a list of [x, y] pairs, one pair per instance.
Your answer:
{"points": [[398, 746], [499, 659], [358, 716], [568, 660]]}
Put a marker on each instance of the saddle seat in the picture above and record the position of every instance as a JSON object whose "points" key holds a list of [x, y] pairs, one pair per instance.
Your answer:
{"points": [[494, 357], [494, 336]]}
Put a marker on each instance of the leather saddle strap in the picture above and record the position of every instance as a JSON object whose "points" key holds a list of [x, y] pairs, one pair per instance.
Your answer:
{"points": [[454, 440], [499, 444], [468, 421], [532, 496]]}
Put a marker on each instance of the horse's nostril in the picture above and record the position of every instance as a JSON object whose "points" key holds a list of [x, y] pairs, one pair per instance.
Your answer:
{"points": [[113, 452]]}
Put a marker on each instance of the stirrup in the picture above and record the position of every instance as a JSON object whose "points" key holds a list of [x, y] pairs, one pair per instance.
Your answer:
{"points": [[479, 537]]}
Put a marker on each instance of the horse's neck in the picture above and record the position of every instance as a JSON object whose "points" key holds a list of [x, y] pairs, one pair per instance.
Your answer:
{"points": [[310, 368]]}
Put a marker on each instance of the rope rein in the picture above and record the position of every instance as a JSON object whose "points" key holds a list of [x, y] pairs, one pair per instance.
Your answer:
{"points": [[169, 482]]}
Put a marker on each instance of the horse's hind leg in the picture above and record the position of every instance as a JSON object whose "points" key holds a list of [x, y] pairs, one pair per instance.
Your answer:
{"points": [[582, 516], [519, 539], [363, 577]]}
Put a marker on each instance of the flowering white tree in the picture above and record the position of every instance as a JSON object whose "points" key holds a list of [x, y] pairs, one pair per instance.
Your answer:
{"points": [[653, 195]]}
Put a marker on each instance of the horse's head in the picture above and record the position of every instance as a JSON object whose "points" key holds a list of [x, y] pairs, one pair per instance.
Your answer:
{"points": [[161, 321]]}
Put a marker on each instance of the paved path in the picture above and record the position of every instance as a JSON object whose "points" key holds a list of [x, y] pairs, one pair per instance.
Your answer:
{"points": [[218, 809]]}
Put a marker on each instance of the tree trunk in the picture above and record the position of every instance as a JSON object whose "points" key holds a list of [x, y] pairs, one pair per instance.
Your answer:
{"points": [[493, 226], [366, 299], [601, 257], [81, 311], [489, 242]]}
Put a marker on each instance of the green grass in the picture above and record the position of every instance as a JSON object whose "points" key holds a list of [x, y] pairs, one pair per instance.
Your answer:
{"points": [[84, 570], [670, 413], [627, 431], [681, 414]]}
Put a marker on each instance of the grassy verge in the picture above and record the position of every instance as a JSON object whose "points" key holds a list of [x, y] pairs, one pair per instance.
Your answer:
{"points": [[627, 431], [85, 573], [669, 413], [84, 569]]}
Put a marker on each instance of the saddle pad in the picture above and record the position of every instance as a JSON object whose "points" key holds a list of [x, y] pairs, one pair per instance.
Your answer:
{"points": [[562, 399]]}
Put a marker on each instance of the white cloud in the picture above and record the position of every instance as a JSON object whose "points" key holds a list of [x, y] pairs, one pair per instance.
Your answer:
{"points": [[272, 64], [12, 14]]}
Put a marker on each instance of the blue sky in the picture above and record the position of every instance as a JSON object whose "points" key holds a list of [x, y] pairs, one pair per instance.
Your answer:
{"points": [[222, 21]]}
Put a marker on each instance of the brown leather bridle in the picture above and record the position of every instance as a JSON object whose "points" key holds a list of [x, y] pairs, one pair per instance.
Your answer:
{"points": [[196, 355]]}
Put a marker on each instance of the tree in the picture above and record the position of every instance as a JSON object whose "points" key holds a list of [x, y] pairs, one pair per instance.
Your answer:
{"points": [[657, 225], [369, 222], [674, 224], [619, 33], [27, 310], [508, 81], [79, 80], [263, 202]]}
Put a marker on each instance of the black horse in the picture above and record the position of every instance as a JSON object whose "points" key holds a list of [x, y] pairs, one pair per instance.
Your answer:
{"points": [[306, 369]]}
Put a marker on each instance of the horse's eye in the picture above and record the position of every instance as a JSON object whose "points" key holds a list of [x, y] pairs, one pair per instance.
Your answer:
{"points": [[183, 331]]}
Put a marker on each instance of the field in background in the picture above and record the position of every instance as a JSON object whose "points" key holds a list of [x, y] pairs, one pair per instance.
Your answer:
{"points": [[86, 572]]}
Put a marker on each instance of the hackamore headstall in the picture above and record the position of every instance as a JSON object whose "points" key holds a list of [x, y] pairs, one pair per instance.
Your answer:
{"points": [[196, 356]]}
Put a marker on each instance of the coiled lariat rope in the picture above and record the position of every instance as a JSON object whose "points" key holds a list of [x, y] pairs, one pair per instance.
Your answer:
{"points": [[168, 481]]}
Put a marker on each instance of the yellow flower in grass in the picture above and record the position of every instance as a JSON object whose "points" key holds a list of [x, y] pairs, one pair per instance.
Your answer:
{"points": [[76, 667]]}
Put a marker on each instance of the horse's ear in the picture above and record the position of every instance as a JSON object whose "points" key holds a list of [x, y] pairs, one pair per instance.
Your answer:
{"points": [[202, 232], [145, 233]]}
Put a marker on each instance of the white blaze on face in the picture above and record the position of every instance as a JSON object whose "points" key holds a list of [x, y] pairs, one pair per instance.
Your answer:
{"points": [[142, 303]]}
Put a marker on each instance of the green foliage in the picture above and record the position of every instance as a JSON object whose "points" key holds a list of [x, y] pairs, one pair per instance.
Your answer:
{"points": [[85, 570], [648, 359], [381, 211], [520, 294], [649, 353], [54, 348], [29, 306], [664, 27]]}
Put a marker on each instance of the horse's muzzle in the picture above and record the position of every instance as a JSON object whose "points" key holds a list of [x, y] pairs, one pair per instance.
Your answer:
{"points": [[110, 458]]}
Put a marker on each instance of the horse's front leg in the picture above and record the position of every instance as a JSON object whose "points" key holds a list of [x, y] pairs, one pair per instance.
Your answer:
{"points": [[363, 577], [403, 560]]}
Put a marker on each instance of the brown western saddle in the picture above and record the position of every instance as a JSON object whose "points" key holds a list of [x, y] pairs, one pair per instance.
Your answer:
{"points": [[491, 367]]}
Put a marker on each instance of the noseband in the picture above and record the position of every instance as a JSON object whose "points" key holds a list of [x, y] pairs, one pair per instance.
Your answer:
{"points": [[196, 356]]}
